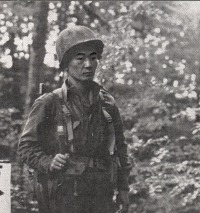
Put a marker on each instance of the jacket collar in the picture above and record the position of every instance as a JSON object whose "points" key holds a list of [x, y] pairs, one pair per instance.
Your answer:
{"points": [[68, 88]]}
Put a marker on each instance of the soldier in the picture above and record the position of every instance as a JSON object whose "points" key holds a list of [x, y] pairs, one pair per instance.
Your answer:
{"points": [[73, 138]]}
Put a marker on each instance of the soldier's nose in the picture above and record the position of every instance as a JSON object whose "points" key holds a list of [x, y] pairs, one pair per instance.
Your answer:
{"points": [[87, 62]]}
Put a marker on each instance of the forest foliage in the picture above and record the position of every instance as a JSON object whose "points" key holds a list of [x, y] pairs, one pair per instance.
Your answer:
{"points": [[150, 64]]}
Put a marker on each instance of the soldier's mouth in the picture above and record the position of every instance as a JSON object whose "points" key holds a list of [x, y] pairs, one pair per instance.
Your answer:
{"points": [[88, 73]]}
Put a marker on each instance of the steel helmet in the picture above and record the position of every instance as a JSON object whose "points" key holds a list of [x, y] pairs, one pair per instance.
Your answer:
{"points": [[71, 39]]}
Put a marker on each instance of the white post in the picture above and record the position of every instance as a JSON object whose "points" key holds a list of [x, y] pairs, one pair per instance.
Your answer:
{"points": [[5, 180]]}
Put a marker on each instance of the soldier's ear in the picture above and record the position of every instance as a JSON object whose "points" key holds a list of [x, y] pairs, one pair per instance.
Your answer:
{"points": [[99, 57]]}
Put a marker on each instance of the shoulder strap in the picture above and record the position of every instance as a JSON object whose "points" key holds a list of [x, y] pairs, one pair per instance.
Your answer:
{"points": [[111, 130], [66, 117]]}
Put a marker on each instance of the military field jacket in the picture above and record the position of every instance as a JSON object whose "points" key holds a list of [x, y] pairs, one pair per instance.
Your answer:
{"points": [[39, 142]]}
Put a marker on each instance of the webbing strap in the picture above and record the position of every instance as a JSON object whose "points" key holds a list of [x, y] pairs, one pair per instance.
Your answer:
{"points": [[66, 116], [111, 135], [68, 121]]}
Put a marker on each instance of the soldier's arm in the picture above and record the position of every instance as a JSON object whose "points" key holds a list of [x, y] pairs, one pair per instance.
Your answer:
{"points": [[121, 146], [29, 146]]}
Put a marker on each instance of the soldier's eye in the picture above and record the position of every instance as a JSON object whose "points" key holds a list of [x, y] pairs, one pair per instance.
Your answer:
{"points": [[94, 57], [80, 58]]}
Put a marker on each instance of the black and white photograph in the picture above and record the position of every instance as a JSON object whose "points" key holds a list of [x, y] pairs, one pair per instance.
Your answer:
{"points": [[99, 106]]}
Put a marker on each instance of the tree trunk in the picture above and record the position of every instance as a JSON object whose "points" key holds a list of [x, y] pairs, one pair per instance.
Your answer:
{"points": [[37, 53], [62, 15], [17, 99]]}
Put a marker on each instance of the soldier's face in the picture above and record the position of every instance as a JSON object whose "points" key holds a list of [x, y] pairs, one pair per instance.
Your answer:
{"points": [[83, 65]]}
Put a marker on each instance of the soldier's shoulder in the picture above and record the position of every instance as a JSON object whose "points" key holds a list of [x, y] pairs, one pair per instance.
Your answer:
{"points": [[46, 98]]}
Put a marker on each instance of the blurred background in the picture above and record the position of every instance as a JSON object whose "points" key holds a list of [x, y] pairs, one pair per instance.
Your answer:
{"points": [[151, 64]]}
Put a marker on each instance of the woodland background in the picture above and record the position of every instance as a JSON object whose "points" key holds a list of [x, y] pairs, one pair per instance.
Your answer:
{"points": [[151, 64]]}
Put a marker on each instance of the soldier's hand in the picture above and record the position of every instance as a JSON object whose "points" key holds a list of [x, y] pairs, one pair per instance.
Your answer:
{"points": [[59, 162], [122, 198]]}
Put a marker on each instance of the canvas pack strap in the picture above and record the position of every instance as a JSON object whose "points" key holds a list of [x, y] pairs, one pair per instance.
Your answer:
{"points": [[66, 117], [68, 121], [111, 130]]}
